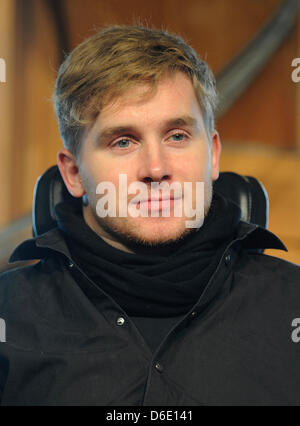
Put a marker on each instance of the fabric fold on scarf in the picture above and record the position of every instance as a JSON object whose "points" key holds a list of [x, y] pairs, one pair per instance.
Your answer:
{"points": [[163, 285]]}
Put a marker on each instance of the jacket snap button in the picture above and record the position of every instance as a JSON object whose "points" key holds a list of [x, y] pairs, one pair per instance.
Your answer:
{"points": [[159, 367], [71, 264], [227, 259], [120, 321]]}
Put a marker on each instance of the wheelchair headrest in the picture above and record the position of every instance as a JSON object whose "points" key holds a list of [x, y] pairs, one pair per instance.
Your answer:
{"points": [[247, 192]]}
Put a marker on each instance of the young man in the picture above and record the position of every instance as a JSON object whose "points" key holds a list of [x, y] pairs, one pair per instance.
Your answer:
{"points": [[136, 304]]}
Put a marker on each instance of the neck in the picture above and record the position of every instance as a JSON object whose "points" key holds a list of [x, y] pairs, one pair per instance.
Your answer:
{"points": [[108, 238]]}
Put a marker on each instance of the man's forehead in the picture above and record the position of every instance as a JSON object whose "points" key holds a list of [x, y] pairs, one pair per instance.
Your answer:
{"points": [[141, 92], [133, 107]]}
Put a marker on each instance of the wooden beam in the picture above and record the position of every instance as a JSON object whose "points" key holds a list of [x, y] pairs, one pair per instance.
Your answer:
{"points": [[7, 119]]}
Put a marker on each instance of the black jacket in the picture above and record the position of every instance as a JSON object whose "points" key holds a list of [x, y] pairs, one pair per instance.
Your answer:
{"points": [[238, 345]]}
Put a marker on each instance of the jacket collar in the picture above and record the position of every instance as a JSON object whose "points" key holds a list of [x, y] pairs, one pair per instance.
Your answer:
{"points": [[40, 247], [251, 237], [256, 237]]}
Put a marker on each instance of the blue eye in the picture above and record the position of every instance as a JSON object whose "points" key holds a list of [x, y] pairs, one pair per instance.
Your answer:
{"points": [[119, 143], [178, 137]]}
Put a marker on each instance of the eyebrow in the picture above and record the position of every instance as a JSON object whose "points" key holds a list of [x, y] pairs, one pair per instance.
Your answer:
{"points": [[110, 132]]}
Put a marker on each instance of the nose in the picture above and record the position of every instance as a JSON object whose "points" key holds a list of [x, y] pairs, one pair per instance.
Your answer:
{"points": [[154, 165]]}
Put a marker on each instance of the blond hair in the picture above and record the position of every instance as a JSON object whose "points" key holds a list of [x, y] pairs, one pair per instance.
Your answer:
{"points": [[107, 64]]}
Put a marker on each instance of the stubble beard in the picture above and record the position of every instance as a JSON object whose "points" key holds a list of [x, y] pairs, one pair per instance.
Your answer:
{"points": [[125, 230]]}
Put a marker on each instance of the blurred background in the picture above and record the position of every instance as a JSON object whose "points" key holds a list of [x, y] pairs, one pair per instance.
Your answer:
{"points": [[250, 46]]}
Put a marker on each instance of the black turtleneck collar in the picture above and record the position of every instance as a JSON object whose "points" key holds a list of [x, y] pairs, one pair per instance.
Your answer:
{"points": [[164, 282]]}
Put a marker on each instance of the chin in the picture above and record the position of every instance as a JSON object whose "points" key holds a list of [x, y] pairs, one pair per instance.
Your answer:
{"points": [[154, 232]]}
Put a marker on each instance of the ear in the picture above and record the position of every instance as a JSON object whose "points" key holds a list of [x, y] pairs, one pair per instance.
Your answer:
{"points": [[216, 149], [70, 172]]}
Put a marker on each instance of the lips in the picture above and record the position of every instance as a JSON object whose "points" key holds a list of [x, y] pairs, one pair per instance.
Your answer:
{"points": [[159, 199], [149, 200], [157, 204]]}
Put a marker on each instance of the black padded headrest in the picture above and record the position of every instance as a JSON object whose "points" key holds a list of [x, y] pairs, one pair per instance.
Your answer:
{"points": [[247, 192]]}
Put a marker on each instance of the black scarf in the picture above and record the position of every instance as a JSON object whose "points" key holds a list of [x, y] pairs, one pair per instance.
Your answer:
{"points": [[149, 285]]}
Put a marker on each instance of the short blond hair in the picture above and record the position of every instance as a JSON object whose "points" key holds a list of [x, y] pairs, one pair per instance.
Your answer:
{"points": [[107, 64]]}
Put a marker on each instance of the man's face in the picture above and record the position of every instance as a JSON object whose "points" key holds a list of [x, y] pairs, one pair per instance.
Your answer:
{"points": [[161, 138]]}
